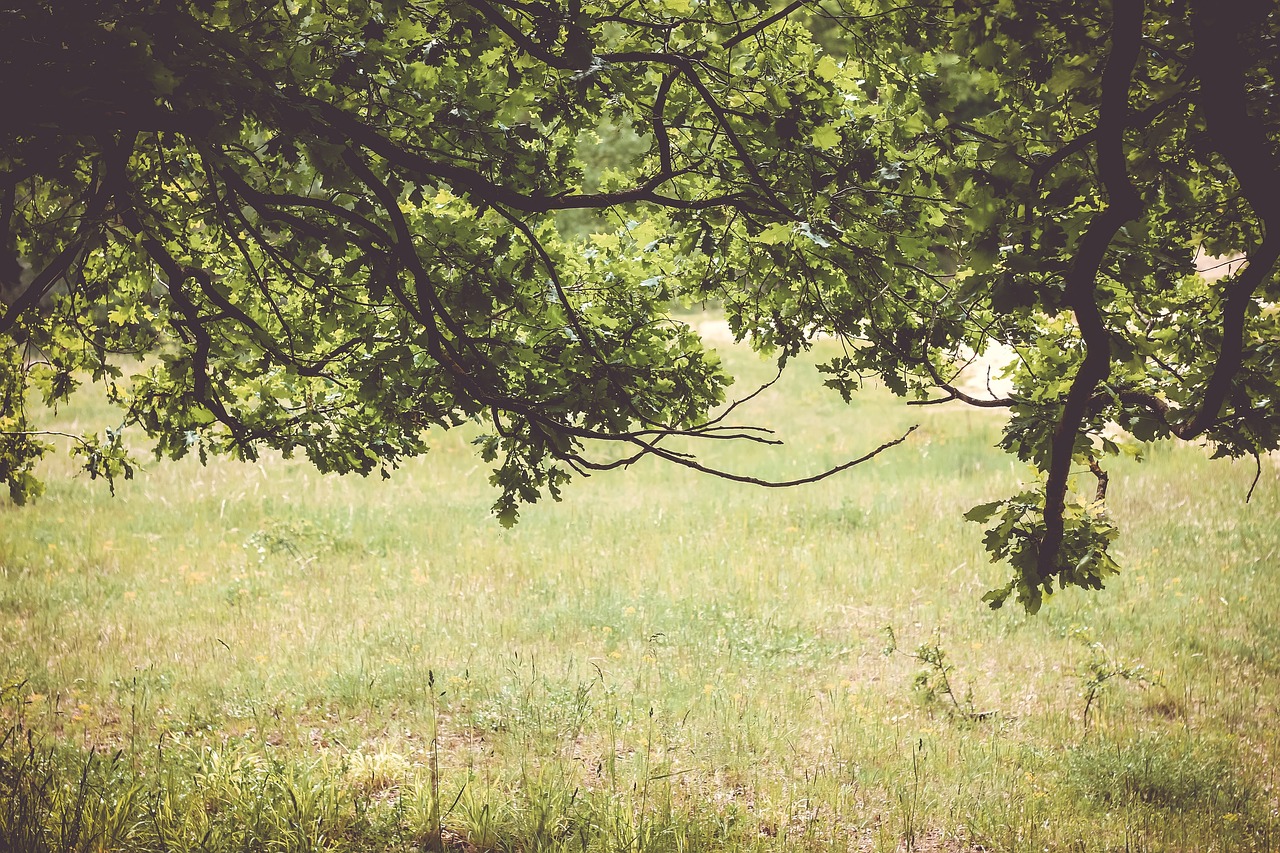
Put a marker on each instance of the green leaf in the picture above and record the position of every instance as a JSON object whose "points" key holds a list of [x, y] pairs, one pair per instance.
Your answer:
{"points": [[825, 137], [983, 512]]}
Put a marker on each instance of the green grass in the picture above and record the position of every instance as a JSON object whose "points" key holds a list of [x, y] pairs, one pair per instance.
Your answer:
{"points": [[250, 656]]}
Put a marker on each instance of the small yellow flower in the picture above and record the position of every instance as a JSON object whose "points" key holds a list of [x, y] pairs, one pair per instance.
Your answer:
{"points": [[130, 594], [35, 698], [708, 689], [615, 654]]}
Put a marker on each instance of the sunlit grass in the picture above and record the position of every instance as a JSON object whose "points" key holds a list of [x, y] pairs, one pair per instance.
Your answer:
{"points": [[664, 661]]}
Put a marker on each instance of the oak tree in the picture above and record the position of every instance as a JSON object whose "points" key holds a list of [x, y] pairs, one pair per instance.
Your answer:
{"points": [[331, 224]]}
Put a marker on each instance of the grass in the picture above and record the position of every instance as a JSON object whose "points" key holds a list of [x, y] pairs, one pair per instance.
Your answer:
{"points": [[243, 657]]}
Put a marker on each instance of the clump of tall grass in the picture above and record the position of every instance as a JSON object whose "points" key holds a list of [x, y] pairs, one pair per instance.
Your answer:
{"points": [[58, 800], [1169, 772], [237, 798]]}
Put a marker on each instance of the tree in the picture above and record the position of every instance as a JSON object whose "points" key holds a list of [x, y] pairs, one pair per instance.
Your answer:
{"points": [[334, 224]]}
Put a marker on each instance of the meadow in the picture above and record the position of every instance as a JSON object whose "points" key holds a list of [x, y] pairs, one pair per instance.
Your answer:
{"points": [[254, 657]]}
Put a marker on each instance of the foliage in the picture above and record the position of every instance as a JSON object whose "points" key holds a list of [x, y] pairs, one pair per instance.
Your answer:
{"points": [[330, 226]]}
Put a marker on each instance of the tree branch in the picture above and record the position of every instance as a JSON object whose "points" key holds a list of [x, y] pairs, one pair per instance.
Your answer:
{"points": [[1123, 204], [784, 12], [1241, 139], [578, 60]]}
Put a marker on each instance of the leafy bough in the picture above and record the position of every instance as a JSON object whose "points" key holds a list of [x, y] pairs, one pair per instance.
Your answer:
{"points": [[329, 227]]}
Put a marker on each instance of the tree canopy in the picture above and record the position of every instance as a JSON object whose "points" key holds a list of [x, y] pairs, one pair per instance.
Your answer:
{"points": [[332, 224]]}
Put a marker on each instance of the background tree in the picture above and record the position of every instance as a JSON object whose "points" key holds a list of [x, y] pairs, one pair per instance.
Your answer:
{"points": [[332, 225]]}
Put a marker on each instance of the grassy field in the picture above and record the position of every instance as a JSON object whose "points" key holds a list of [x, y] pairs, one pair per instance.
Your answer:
{"points": [[253, 657]]}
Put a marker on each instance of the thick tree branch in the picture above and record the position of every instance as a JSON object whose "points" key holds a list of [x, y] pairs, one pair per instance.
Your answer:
{"points": [[1123, 204], [764, 23], [1241, 138]]}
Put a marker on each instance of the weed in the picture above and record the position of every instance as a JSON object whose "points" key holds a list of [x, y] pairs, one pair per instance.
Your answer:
{"points": [[1102, 668], [909, 797], [301, 539], [932, 681]]}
